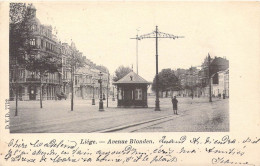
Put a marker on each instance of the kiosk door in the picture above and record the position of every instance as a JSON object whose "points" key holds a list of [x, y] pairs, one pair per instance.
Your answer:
{"points": [[128, 97], [32, 92]]}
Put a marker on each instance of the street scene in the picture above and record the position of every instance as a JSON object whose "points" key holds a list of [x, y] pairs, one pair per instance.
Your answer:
{"points": [[194, 115], [68, 76]]}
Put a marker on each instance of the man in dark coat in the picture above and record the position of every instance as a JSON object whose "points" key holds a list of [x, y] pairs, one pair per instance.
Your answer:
{"points": [[175, 105]]}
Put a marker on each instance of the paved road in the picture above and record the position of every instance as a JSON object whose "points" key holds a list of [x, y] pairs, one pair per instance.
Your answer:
{"points": [[56, 117], [198, 117]]}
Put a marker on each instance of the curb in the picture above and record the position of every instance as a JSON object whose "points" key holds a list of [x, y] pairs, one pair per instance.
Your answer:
{"points": [[130, 125]]}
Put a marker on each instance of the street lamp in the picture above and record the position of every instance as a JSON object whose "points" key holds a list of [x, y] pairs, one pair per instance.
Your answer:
{"points": [[101, 108], [157, 34], [93, 98]]}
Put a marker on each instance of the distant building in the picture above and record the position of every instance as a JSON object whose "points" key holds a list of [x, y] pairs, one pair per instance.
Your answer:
{"points": [[196, 82], [188, 80], [217, 64], [220, 83]]}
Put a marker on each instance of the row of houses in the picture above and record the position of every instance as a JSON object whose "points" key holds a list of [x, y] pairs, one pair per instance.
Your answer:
{"points": [[195, 80], [43, 41]]}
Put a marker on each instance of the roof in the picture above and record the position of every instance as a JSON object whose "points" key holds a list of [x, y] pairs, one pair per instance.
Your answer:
{"points": [[132, 78]]}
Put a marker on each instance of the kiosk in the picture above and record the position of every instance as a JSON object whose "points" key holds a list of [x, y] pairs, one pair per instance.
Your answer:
{"points": [[132, 91]]}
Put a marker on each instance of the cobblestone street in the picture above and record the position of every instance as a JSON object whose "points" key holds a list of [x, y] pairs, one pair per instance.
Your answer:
{"points": [[55, 117]]}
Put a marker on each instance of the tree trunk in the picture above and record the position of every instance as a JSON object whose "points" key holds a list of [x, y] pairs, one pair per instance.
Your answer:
{"points": [[72, 88], [16, 98], [41, 90], [16, 89]]}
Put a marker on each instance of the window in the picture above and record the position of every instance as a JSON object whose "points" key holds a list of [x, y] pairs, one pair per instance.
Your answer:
{"points": [[32, 74], [119, 94], [216, 79], [64, 74], [138, 94], [76, 80], [33, 27], [21, 73], [32, 56], [64, 61], [12, 74], [32, 42], [42, 43]]}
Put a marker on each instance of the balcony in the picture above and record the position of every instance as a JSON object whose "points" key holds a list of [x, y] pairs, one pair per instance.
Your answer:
{"points": [[36, 80], [51, 81], [20, 80], [66, 80], [32, 79], [86, 83]]}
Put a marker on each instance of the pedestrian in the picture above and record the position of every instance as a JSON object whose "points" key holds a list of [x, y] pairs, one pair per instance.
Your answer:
{"points": [[175, 105]]}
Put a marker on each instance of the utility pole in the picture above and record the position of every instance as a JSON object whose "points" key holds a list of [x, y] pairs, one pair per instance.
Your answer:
{"points": [[72, 88], [107, 87], [136, 50], [157, 34], [210, 98], [157, 101], [93, 97], [16, 87]]}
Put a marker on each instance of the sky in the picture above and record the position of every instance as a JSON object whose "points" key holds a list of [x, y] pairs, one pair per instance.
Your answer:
{"points": [[102, 31]]}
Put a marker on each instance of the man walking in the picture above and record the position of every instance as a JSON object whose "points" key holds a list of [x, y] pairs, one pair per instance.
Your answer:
{"points": [[174, 105]]}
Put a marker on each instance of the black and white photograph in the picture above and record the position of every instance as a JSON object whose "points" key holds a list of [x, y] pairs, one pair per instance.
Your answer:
{"points": [[158, 83], [137, 72]]}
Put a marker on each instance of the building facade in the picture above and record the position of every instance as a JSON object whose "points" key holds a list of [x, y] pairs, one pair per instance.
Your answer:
{"points": [[43, 42], [220, 84], [195, 82]]}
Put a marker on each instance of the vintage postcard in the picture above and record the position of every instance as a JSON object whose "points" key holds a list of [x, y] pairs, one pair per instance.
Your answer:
{"points": [[130, 83]]}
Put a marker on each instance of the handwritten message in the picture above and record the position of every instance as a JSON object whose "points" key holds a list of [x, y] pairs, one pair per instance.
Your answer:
{"points": [[165, 150]]}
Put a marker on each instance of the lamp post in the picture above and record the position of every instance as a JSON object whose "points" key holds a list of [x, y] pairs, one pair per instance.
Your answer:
{"points": [[157, 34], [93, 98], [45, 75], [101, 108], [209, 78]]}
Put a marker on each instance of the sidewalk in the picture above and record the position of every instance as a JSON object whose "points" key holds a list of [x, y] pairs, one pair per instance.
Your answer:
{"points": [[56, 117]]}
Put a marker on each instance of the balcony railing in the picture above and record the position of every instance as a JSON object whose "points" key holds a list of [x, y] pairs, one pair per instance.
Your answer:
{"points": [[55, 81], [23, 80], [32, 79], [19, 80]]}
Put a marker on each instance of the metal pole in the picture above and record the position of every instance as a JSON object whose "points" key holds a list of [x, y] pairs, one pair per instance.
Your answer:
{"points": [[157, 102], [16, 87], [210, 98], [137, 54], [107, 88], [93, 98], [101, 108], [72, 88]]}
